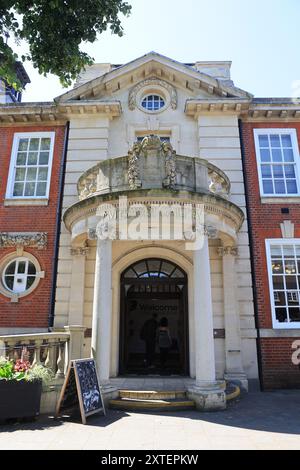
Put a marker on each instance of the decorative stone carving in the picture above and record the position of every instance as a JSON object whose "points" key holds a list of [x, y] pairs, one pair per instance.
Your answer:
{"points": [[89, 187], [208, 231], [217, 183], [287, 229], [170, 165], [79, 251], [133, 167], [29, 239], [228, 250], [152, 82]]}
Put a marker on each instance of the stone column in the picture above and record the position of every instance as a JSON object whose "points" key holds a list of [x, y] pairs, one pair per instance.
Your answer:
{"points": [[76, 303], [207, 392], [234, 367], [102, 310]]}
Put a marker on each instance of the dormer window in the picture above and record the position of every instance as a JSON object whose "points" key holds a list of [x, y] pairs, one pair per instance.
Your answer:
{"points": [[153, 102]]}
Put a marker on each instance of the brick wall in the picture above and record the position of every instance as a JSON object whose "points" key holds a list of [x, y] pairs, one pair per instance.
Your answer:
{"points": [[277, 368], [31, 310]]}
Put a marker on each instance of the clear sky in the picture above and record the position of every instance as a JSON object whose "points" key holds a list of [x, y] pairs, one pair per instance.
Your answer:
{"points": [[260, 37]]}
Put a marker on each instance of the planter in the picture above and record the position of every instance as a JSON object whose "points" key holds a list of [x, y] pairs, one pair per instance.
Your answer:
{"points": [[19, 399]]}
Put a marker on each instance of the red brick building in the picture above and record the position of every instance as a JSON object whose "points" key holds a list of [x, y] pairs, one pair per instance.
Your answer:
{"points": [[31, 174], [270, 140]]}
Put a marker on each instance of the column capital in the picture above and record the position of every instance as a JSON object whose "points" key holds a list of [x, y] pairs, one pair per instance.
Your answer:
{"points": [[228, 250]]}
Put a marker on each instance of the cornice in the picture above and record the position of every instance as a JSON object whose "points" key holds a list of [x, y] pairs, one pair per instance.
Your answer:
{"points": [[196, 107]]}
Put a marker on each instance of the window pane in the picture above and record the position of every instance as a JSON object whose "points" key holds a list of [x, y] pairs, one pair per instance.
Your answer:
{"points": [[276, 155], [291, 282], [30, 281], [29, 189], [41, 189], [279, 187], [275, 141], [279, 298], [286, 140], [45, 143], [268, 187], [43, 173], [278, 171], [44, 158], [288, 251], [276, 251], [278, 282], [34, 144], [11, 268], [31, 174], [23, 145], [294, 314], [31, 268], [289, 171], [21, 267], [263, 140], [291, 186], [20, 174], [277, 266], [265, 155], [21, 158], [290, 268], [281, 314], [32, 158], [288, 155], [266, 171], [18, 189], [9, 281]]}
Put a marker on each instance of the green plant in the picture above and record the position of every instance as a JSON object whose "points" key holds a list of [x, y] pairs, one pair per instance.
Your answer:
{"points": [[22, 370], [40, 372]]}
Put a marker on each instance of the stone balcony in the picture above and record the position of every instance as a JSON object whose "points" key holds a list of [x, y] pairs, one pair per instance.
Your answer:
{"points": [[153, 164]]}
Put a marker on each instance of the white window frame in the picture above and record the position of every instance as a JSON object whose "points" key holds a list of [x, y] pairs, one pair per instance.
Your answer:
{"points": [[270, 130], [13, 160], [278, 241]]}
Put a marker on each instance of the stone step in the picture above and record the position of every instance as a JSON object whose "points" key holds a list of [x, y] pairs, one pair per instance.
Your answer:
{"points": [[152, 394], [131, 404]]}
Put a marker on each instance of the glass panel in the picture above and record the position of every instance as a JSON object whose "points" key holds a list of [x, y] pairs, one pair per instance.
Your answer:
{"points": [[278, 282], [281, 314], [140, 268], [266, 171], [276, 155], [21, 267], [288, 251], [294, 314], [9, 281], [34, 144], [30, 281], [279, 186], [292, 298], [44, 158], [23, 145], [21, 158], [29, 189], [268, 187], [291, 282], [263, 140], [265, 155], [11, 268], [43, 173], [41, 189], [31, 174], [153, 264], [18, 189], [177, 273], [286, 140], [275, 141], [130, 273], [45, 143], [277, 267], [289, 171], [167, 268], [288, 155], [278, 171], [20, 174], [31, 268], [291, 187], [276, 251], [32, 158], [279, 298]]}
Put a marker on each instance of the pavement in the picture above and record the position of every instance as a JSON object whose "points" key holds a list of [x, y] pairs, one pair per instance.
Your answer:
{"points": [[257, 421]]}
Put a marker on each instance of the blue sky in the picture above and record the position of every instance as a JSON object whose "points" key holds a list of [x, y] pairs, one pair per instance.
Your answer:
{"points": [[260, 37]]}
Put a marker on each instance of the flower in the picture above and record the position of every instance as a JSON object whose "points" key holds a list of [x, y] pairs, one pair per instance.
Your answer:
{"points": [[21, 366]]}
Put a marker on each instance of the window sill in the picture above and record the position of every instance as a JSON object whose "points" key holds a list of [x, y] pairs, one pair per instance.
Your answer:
{"points": [[277, 332], [26, 202], [280, 200]]}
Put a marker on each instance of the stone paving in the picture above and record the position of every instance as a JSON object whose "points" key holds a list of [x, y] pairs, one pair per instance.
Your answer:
{"points": [[257, 421]]}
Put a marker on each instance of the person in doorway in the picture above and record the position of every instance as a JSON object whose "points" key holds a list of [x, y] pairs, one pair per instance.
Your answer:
{"points": [[148, 334], [164, 340]]}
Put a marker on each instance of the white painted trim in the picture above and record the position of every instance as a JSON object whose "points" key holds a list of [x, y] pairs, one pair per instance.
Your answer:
{"points": [[271, 130], [278, 241], [12, 166]]}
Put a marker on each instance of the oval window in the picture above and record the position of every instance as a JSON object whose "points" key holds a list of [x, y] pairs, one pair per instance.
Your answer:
{"points": [[153, 102], [19, 275]]}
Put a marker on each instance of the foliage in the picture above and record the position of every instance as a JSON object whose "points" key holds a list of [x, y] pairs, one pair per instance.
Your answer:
{"points": [[54, 30], [22, 370]]}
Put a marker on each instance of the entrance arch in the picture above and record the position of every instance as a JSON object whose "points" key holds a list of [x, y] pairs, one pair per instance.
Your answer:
{"points": [[152, 289]]}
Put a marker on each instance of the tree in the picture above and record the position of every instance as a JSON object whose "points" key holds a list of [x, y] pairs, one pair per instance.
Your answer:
{"points": [[54, 30]]}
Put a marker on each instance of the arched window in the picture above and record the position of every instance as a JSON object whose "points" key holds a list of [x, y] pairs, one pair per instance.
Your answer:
{"points": [[154, 268]]}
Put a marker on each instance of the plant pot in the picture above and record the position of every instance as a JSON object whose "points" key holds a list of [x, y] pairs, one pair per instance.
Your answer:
{"points": [[19, 399]]}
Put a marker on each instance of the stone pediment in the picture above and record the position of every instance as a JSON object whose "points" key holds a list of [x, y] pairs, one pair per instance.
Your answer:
{"points": [[152, 65]]}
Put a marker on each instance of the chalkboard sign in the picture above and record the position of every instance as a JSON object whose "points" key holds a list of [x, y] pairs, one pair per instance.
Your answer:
{"points": [[81, 389]]}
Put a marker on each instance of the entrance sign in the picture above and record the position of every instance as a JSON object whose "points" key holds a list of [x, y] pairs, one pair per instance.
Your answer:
{"points": [[81, 389]]}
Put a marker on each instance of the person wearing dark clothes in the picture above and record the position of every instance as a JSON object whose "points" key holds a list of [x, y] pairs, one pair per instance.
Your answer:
{"points": [[148, 334], [164, 340]]}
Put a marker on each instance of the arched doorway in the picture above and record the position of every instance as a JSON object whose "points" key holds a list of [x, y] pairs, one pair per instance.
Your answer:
{"points": [[151, 290]]}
